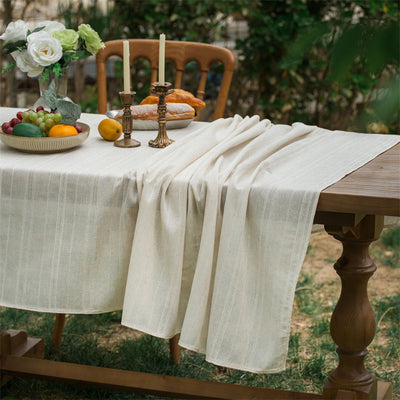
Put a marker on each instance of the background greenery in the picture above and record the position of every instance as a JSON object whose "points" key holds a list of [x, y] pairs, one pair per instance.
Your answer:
{"points": [[331, 63]]}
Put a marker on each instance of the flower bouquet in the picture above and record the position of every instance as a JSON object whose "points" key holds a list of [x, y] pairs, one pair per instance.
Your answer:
{"points": [[46, 52]]}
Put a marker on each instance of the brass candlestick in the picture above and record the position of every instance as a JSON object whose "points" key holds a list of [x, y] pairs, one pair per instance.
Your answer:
{"points": [[161, 90], [127, 141]]}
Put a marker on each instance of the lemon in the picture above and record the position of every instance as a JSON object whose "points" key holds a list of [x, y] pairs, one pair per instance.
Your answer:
{"points": [[110, 129]]}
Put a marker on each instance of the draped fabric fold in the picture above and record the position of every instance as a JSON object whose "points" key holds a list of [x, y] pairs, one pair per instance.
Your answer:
{"points": [[205, 237], [224, 220]]}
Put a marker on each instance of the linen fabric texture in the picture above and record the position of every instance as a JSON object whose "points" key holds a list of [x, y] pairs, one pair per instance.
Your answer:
{"points": [[205, 237], [66, 223], [224, 221]]}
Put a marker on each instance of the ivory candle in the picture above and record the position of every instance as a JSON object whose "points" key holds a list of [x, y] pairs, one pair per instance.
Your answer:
{"points": [[127, 71], [161, 60]]}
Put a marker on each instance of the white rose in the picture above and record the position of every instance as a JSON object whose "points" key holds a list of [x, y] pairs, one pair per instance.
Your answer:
{"points": [[15, 31], [26, 64], [50, 26], [43, 48]]}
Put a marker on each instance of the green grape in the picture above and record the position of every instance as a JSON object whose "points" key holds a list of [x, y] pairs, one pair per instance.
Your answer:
{"points": [[40, 113], [32, 116], [47, 116], [25, 115], [39, 121], [49, 123], [57, 117], [42, 126]]}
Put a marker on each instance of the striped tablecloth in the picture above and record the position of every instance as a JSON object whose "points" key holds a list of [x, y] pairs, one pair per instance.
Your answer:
{"points": [[205, 237]]}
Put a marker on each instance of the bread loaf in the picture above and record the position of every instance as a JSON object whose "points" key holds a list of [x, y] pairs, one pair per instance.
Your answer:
{"points": [[178, 96], [149, 112]]}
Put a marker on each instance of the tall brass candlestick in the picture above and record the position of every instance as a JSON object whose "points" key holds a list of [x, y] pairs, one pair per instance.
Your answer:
{"points": [[127, 141], [161, 90]]}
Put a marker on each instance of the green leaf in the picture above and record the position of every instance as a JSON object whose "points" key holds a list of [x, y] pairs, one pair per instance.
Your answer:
{"points": [[50, 96], [383, 48], [346, 48], [82, 54], [37, 29], [10, 47], [389, 104], [54, 69], [70, 111], [8, 67], [298, 50]]}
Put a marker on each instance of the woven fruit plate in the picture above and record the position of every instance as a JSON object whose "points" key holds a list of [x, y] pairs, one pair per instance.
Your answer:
{"points": [[45, 144]]}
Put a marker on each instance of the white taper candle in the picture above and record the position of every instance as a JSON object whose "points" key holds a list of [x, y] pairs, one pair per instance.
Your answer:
{"points": [[127, 70], [161, 60]]}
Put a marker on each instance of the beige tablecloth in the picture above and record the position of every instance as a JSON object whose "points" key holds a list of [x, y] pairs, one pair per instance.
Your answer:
{"points": [[67, 221], [212, 230]]}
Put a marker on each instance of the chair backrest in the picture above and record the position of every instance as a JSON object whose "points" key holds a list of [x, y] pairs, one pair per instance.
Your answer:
{"points": [[180, 53]]}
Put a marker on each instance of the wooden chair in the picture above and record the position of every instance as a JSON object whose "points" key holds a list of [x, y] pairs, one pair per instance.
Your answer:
{"points": [[180, 53]]}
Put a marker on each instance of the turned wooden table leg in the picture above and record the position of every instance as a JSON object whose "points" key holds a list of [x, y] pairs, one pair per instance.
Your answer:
{"points": [[353, 321], [59, 323], [174, 349]]}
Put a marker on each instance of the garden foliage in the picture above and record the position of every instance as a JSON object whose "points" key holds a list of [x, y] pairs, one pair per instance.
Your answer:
{"points": [[331, 63], [323, 63]]}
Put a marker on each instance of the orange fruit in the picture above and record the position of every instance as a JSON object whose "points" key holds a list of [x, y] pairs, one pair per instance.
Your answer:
{"points": [[110, 129], [62, 130]]}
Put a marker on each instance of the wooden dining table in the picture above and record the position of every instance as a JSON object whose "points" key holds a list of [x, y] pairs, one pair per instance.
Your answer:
{"points": [[352, 211]]}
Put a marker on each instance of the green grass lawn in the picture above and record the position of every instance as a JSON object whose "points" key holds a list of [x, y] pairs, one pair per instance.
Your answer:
{"points": [[100, 340]]}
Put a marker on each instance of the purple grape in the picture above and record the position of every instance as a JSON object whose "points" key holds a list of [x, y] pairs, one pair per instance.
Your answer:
{"points": [[14, 122]]}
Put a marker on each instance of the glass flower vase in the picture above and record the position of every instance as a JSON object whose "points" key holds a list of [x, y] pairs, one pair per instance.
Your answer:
{"points": [[61, 86]]}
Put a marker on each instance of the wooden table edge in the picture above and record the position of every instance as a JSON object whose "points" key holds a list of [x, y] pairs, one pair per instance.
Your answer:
{"points": [[375, 199]]}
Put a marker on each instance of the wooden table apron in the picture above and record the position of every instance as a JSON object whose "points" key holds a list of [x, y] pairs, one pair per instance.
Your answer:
{"points": [[351, 210]]}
